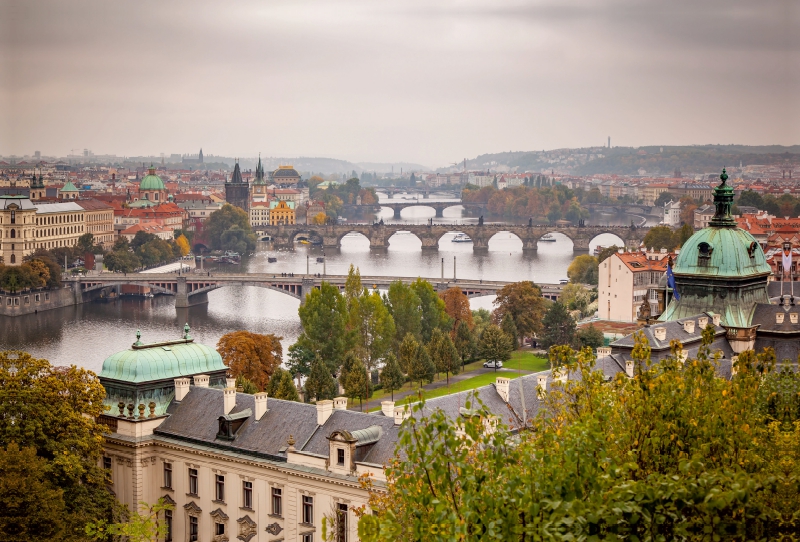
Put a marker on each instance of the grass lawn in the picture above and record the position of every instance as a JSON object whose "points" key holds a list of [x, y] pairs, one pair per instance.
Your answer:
{"points": [[525, 360], [464, 385]]}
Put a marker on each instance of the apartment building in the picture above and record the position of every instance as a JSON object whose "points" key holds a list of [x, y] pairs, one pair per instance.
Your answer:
{"points": [[672, 213], [99, 218], [59, 224], [627, 279]]}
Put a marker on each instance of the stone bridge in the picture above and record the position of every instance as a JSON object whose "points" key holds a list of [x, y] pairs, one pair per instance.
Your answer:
{"points": [[193, 289], [283, 236], [425, 191], [438, 206]]}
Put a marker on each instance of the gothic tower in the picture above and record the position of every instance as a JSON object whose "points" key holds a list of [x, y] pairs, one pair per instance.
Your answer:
{"points": [[237, 190]]}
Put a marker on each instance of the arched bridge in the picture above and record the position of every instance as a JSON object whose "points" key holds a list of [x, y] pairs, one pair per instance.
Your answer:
{"points": [[193, 289], [379, 234], [438, 206]]}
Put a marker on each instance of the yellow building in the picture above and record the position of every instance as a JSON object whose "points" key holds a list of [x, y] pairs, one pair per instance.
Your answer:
{"points": [[281, 212], [17, 228], [99, 218], [58, 225]]}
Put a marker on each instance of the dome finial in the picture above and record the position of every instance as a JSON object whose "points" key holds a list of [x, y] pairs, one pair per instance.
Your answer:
{"points": [[138, 338], [723, 201], [186, 331], [724, 176]]}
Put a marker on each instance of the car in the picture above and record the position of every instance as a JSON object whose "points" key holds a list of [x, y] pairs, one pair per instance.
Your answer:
{"points": [[493, 364]]}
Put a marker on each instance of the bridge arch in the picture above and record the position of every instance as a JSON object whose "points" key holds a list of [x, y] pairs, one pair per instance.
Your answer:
{"points": [[358, 231], [607, 239], [509, 239], [308, 232], [405, 234]]}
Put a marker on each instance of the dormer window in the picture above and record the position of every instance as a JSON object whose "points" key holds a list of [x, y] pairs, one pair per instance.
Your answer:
{"points": [[340, 457], [231, 423], [704, 251]]}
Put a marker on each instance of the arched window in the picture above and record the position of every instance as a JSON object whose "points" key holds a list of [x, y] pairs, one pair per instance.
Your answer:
{"points": [[13, 233], [13, 258]]}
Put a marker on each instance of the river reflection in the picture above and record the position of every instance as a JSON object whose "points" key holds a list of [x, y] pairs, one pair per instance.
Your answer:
{"points": [[85, 335]]}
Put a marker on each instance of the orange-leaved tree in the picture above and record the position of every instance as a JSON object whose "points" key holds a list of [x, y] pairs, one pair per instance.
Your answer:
{"points": [[456, 305], [251, 355]]}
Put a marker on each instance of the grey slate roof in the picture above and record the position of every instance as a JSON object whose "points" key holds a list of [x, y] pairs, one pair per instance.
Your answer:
{"points": [[349, 420]]}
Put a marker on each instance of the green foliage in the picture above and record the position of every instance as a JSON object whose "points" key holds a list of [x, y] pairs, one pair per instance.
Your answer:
{"points": [[674, 453], [664, 237], [52, 411], [464, 341], [509, 327], [432, 309], [407, 352], [590, 336], [524, 301], [559, 327], [373, 328], [443, 354], [540, 201], [122, 261], [229, 224], [353, 379], [584, 270], [320, 383], [245, 385], [324, 318], [137, 527], [281, 386], [41, 272], [481, 318], [420, 366], [392, 378], [495, 344], [607, 253], [300, 359], [664, 198], [406, 310], [684, 233]]}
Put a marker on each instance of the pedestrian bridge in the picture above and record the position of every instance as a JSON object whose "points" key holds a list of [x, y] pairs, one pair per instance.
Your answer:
{"points": [[192, 289], [283, 236]]}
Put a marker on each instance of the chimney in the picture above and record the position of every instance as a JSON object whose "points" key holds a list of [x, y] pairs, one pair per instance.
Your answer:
{"points": [[715, 319], [603, 352], [228, 399], [541, 383], [400, 414], [261, 404], [387, 407], [340, 403], [778, 317], [502, 385], [702, 322], [688, 326], [230, 383], [201, 381], [324, 411], [629, 368], [181, 388]]}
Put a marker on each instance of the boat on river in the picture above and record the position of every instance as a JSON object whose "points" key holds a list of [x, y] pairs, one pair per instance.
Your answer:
{"points": [[461, 238], [547, 238]]}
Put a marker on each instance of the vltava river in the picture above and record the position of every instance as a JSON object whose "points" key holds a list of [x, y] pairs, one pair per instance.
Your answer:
{"points": [[86, 334]]}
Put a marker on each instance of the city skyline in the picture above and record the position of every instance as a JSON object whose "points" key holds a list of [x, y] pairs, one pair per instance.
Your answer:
{"points": [[430, 83]]}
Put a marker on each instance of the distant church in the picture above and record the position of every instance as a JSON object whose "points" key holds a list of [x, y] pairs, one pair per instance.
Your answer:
{"points": [[237, 190], [192, 159]]}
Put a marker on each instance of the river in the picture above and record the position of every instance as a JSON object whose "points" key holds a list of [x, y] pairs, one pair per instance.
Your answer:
{"points": [[86, 334]]}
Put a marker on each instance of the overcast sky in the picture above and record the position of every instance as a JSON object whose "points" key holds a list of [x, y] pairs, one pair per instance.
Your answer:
{"points": [[426, 81]]}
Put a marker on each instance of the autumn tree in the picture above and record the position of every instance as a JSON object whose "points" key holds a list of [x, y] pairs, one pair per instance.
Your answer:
{"points": [[407, 352], [607, 253], [583, 270], [183, 245], [320, 219], [456, 305], [509, 327], [281, 386], [392, 378], [525, 303], [251, 355], [324, 319], [50, 412], [495, 344]]}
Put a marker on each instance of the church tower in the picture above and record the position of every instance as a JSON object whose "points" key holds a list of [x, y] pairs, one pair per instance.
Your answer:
{"points": [[200, 156], [237, 190], [260, 183]]}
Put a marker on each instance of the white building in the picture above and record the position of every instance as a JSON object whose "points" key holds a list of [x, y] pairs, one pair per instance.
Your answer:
{"points": [[672, 213], [626, 279]]}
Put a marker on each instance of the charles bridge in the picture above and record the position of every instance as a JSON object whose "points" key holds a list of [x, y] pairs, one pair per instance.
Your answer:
{"points": [[283, 236], [192, 289]]}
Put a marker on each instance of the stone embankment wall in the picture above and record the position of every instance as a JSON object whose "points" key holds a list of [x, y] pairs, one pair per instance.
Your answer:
{"points": [[18, 304]]}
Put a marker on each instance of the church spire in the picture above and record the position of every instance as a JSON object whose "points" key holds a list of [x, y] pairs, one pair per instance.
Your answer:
{"points": [[723, 201]]}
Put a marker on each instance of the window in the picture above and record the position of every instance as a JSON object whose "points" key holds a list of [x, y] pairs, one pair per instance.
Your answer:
{"points": [[340, 457], [107, 463], [309, 537], [168, 475], [193, 481], [193, 529], [308, 509], [341, 522], [168, 523], [220, 487], [247, 494], [219, 529], [277, 508]]}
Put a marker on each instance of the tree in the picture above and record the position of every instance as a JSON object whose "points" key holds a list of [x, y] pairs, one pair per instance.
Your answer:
{"points": [[237, 239], [319, 219], [688, 207], [607, 253], [300, 359], [674, 453], [495, 344], [320, 383], [142, 238], [53, 411], [223, 220], [482, 318], [353, 290], [583, 270], [456, 305], [559, 327], [432, 309], [353, 379], [660, 237], [324, 319], [392, 378], [509, 327], [407, 352], [31, 508], [464, 342], [85, 243], [405, 307], [373, 328], [683, 234], [577, 297], [122, 261], [443, 353], [590, 336], [751, 198], [664, 198], [525, 303], [183, 245], [137, 527], [281, 386], [251, 355], [420, 366], [246, 386]]}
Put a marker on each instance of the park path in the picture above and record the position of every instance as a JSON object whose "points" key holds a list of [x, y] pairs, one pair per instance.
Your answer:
{"points": [[400, 395]]}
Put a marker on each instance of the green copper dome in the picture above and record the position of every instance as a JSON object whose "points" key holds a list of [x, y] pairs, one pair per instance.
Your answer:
{"points": [[722, 252], [161, 361], [151, 181], [69, 187]]}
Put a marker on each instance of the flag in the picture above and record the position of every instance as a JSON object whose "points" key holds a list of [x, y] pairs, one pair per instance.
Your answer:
{"points": [[787, 260], [671, 282]]}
